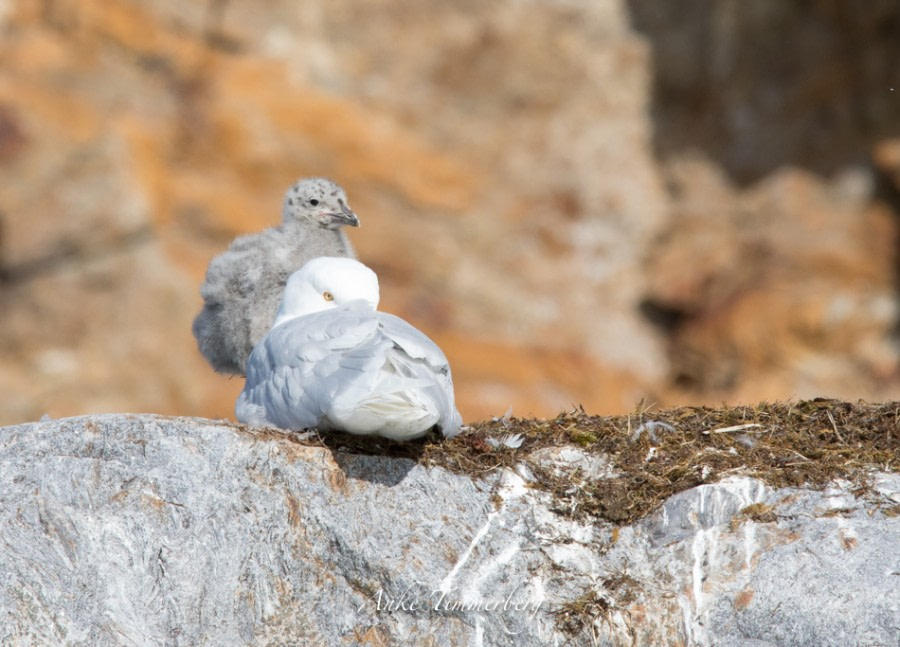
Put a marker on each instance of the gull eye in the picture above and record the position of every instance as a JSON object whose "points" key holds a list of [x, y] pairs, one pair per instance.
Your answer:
{"points": [[328, 296], [314, 202]]}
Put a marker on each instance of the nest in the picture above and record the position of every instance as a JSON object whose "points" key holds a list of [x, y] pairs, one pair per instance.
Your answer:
{"points": [[655, 454]]}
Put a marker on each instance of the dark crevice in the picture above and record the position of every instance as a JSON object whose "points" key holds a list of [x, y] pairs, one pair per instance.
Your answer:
{"points": [[760, 85], [667, 318], [887, 192], [67, 252]]}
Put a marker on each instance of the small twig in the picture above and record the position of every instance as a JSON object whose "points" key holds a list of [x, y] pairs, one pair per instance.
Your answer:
{"points": [[794, 451], [726, 430], [834, 426]]}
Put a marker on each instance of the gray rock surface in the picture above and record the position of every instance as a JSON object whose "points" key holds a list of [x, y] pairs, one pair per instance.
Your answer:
{"points": [[147, 530]]}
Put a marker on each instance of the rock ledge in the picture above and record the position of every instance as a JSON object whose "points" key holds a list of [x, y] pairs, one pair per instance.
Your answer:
{"points": [[148, 530]]}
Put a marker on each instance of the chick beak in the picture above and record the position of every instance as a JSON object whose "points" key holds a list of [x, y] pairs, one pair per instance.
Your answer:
{"points": [[340, 218]]}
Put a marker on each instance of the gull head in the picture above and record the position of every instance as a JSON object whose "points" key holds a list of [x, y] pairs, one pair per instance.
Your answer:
{"points": [[318, 201], [327, 282]]}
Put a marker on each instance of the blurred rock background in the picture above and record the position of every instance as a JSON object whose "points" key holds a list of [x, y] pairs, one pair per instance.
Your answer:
{"points": [[581, 202]]}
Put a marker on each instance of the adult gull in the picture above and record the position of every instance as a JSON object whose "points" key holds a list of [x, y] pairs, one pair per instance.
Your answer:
{"points": [[244, 284], [332, 361]]}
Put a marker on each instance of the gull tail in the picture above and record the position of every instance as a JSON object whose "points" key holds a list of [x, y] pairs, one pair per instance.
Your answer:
{"points": [[402, 414]]}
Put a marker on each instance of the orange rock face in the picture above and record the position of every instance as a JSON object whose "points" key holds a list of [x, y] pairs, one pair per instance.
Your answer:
{"points": [[502, 160]]}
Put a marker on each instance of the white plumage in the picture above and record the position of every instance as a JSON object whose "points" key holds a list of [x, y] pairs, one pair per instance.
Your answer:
{"points": [[332, 361]]}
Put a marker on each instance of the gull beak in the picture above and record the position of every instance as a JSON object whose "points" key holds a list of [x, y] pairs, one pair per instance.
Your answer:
{"points": [[345, 216]]}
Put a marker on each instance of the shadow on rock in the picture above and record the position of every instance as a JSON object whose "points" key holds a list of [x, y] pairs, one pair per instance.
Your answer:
{"points": [[374, 459]]}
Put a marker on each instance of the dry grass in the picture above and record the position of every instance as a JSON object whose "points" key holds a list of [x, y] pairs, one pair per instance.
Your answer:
{"points": [[659, 453], [595, 607]]}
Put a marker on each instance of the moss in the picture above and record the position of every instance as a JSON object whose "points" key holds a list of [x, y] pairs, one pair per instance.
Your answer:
{"points": [[583, 438]]}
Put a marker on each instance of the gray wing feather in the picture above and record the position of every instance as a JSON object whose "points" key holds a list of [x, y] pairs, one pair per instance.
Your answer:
{"points": [[416, 345], [304, 367], [294, 372]]}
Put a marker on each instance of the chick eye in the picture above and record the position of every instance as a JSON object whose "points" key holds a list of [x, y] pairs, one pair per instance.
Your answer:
{"points": [[314, 202], [328, 296]]}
